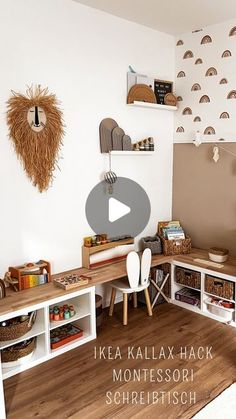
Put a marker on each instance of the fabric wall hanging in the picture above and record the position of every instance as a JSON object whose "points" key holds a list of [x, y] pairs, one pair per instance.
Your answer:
{"points": [[36, 130]]}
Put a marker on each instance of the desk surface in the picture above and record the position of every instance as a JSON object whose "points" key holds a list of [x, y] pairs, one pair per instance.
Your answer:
{"points": [[229, 267], [19, 300]]}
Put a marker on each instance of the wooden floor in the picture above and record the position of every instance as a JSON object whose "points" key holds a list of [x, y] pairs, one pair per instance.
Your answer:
{"points": [[74, 385]]}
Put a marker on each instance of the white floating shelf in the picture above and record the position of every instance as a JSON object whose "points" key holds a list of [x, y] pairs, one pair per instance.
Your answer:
{"points": [[131, 153], [205, 141], [153, 105]]}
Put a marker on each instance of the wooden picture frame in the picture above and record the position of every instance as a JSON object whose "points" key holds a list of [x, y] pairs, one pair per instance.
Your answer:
{"points": [[161, 88]]}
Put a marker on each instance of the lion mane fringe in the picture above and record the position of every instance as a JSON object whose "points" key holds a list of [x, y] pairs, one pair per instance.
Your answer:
{"points": [[37, 151]]}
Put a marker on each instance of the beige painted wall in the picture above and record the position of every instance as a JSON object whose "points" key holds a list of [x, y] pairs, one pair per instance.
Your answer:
{"points": [[204, 195]]}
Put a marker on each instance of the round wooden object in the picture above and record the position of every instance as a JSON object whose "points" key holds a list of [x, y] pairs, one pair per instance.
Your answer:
{"points": [[141, 93], [170, 99]]}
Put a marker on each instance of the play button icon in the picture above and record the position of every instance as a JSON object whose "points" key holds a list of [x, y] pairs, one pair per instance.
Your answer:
{"points": [[117, 210], [124, 212]]}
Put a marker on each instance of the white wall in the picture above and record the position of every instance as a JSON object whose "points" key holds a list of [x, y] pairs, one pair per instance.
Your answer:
{"points": [[82, 55]]}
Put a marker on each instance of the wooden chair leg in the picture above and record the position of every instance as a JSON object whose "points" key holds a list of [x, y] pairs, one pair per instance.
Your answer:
{"points": [[125, 309], [149, 307], [135, 301], [112, 302]]}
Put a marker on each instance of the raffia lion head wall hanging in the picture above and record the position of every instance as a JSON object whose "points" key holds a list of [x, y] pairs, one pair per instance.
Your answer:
{"points": [[36, 130]]}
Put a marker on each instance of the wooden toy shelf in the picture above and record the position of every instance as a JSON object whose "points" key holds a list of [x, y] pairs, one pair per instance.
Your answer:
{"points": [[85, 318], [88, 251]]}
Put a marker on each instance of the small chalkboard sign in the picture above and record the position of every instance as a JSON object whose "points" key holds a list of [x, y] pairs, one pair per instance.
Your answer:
{"points": [[161, 88]]}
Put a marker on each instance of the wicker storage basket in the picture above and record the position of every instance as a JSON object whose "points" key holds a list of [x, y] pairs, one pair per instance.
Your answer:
{"points": [[188, 277], [15, 331], [219, 287], [15, 352], [153, 243], [176, 247]]}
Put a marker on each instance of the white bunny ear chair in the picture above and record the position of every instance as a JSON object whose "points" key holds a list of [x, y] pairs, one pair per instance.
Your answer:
{"points": [[145, 266], [132, 286]]}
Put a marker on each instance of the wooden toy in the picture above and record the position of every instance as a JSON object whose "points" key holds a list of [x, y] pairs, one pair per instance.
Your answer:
{"points": [[71, 281], [29, 275], [58, 313], [64, 334]]}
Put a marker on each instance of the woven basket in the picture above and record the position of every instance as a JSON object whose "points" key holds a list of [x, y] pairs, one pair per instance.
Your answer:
{"points": [[188, 277], [15, 331], [153, 243], [13, 353], [219, 287], [176, 247]]}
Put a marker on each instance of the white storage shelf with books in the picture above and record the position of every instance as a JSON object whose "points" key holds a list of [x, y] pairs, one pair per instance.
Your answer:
{"points": [[206, 308], [84, 318]]}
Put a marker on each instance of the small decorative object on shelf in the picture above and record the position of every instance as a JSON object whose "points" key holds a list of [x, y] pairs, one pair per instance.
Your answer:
{"points": [[96, 240], [142, 88], [170, 99], [29, 275], [141, 93], [144, 145], [161, 89], [112, 137], [126, 143], [105, 131], [64, 334], [217, 254], [68, 282], [58, 313], [174, 241], [153, 243]]}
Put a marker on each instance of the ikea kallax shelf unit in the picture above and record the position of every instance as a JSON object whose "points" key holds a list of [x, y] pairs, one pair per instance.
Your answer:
{"points": [[83, 301], [204, 296]]}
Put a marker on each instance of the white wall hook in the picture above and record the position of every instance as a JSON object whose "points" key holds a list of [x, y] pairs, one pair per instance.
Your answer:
{"points": [[197, 141]]}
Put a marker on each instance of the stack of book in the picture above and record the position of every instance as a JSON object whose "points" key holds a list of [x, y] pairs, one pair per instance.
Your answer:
{"points": [[171, 230], [188, 296]]}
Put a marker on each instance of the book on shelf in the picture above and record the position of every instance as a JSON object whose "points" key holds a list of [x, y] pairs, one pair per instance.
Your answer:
{"points": [[188, 296], [171, 230]]}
